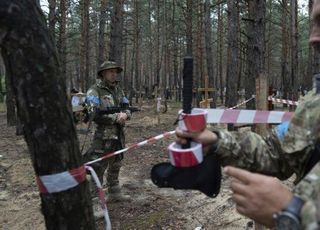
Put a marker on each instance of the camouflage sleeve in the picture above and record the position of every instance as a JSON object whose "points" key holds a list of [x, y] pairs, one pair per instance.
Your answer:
{"points": [[284, 151], [309, 190], [251, 151], [94, 102]]}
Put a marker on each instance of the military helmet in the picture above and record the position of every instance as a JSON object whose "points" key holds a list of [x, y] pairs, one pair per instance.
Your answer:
{"points": [[108, 65]]}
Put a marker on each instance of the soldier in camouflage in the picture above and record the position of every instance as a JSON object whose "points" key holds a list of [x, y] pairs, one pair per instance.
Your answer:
{"points": [[291, 148], [109, 135]]}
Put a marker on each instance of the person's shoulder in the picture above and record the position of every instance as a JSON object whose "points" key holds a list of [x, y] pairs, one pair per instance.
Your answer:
{"points": [[93, 90], [310, 98]]}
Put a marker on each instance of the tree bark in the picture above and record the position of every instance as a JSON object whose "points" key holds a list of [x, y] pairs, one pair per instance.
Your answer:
{"points": [[62, 41], [52, 18], [189, 27], [256, 47], [137, 49], [294, 52], [116, 33], [102, 24], [84, 45], [232, 62], [310, 72], [209, 49], [42, 105], [220, 51], [285, 51]]}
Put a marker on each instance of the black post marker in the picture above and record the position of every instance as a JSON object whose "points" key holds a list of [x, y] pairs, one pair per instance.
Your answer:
{"points": [[187, 89], [317, 82]]}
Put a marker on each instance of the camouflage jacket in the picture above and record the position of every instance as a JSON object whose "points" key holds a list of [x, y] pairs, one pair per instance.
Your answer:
{"points": [[102, 96], [285, 151]]}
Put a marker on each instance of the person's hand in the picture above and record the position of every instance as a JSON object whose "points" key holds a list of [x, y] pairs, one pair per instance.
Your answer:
{"points": [[206, 138], [121, 118], [258, 196]]}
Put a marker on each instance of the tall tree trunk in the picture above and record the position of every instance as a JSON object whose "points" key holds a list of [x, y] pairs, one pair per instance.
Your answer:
{"points": [[232, 62], [272, 82], [189, 27], [209, 49], [158, 65], [285, 50], [102, 24], [199, 67], [239, 70], [137, 48], [176, 84], [62, 41], [308, 82], [52, 18], [115, 52], [150, 78], [84, 45], [50, 135], [256, 47], [294, 52], [220, 50]]}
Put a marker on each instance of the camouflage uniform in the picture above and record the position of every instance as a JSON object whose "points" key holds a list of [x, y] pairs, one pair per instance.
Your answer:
{"points": [[109, 135], [285, 151]]}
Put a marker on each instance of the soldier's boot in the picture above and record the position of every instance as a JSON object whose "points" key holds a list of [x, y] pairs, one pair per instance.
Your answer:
{"points": [[114, 194]]}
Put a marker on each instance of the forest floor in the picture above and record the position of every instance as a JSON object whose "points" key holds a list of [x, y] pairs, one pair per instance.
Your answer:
{"points": [[150, 208]]}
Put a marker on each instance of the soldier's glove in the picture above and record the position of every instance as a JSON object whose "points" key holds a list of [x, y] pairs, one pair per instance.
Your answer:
{"points": [[205, 177]]}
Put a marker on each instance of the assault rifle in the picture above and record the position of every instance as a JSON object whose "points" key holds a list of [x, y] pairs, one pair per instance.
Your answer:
{"points": [[109, 110], [116, 109]]}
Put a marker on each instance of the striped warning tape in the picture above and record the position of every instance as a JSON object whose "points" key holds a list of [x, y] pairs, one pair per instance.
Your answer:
{"points": [[132, 147], [283, 101], [244, 102], [226, 116], [229, 116], [102, 197], [61, 181]]}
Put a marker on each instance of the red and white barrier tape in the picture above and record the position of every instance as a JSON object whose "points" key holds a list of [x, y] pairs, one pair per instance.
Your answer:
{"points": [[131, 147], [229, 116], [61, 181], [244, 102], [283, 101], [102, 197]]}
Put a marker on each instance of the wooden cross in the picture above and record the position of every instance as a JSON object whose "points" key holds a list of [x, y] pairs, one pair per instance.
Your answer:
{"points": [[206, 90]]}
